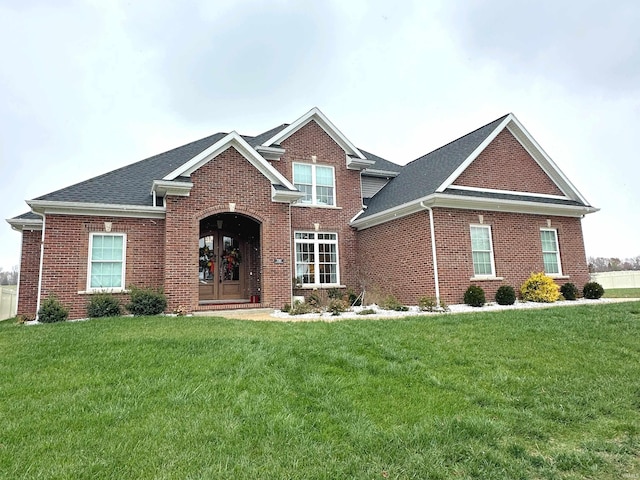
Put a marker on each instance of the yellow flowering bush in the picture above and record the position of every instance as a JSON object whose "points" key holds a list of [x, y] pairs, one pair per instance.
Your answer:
{"points": [[540, 288]]}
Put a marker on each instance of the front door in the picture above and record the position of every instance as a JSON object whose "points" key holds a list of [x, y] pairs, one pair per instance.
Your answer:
{"points": [[222, 271]]}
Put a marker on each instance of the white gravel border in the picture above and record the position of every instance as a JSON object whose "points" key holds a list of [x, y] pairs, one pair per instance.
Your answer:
{"points": [[461, 308]]}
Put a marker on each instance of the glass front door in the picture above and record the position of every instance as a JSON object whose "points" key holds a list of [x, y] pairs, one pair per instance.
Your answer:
{"points": [[221, 267]]}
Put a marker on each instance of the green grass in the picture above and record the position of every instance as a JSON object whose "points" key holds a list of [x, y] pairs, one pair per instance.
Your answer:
{"points": [[545, 394], [622, 293]]}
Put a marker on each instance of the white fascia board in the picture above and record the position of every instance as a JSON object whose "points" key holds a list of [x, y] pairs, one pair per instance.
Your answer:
{"points": [[20, 224], [327, 126], [45, 207], [370, 172], [170, 187], [270, 153], [458, 171], [508, 192], [472, 203], [285, 196], [544, 160], [233, 139]]}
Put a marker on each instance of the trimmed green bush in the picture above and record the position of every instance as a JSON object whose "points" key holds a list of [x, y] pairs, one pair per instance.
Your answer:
{"points": [[337, 306], [103, 305], [592, 290], [569, 291], [540, 288], [354, 299], [474, 296], [146, 301], [52, 311], [506, 295]]}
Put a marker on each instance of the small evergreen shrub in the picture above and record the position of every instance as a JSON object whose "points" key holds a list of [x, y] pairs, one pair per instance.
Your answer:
{"points": [[367, 311], [146, 301], [592, 290], [103, 305], [337, 306], [286, 307], [506, 295], [474, 296], [391, 303], [427, 304], [540, 288], [354, 299], [52, 311], [569, 291]]}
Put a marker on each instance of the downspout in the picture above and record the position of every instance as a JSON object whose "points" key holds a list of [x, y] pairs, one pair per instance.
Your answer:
{"points": [[433, 251], [291, 259], [44, 224]]}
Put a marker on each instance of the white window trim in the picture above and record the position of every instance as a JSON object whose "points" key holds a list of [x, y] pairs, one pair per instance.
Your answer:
{"points": [[120, 289], [492, 275], [316, 269], [314, 185], [557, 252]]}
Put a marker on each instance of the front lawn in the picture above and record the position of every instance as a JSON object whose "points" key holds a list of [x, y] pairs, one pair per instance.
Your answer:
{"points": [[548, 394], [622, 293]]}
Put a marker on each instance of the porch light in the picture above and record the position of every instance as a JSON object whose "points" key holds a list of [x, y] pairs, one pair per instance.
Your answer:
{"points": [[219, 222]]}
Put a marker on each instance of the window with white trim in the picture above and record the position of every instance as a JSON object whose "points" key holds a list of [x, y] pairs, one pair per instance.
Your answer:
{"points": [[550, 251], [317, 182], [106, 261], [317, 258], [482, 251]]}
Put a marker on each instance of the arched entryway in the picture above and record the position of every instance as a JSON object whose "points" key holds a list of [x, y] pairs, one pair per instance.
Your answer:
{"points": [[229, 259]]}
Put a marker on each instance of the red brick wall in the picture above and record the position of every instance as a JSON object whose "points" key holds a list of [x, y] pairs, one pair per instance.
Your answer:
{"points": [[395, 259], [228, 178], [29, 273], [506, 165], [313, 140], [396, 256], [66, 251]]}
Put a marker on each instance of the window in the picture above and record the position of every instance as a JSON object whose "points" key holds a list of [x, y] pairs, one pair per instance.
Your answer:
{"points": [[550, 252], [482, 251], [106, 261], [316, 182], [317, 258]]}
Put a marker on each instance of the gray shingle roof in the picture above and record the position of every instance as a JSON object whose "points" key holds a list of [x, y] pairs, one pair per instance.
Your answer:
{"points": [[508, 196], [381, 163], [131, 185], [423, 176]]}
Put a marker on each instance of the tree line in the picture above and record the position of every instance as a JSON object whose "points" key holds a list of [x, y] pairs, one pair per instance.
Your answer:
{"points": [[613, 264]]}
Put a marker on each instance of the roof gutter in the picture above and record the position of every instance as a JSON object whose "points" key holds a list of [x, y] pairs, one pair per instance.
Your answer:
{"points": [[433, 251]]}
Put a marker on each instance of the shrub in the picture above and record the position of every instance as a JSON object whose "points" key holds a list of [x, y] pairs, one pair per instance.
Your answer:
{"points": [[286, 307], [474, 296], [569, 291], [354, 299], [592, 290], [334, 293], [146, 301], [314, 300], [103, 305], [337, 306], [367, 311], [392, 303], [300, 308], [540, 288], [52, 311], [506, 295], [427, 304]]}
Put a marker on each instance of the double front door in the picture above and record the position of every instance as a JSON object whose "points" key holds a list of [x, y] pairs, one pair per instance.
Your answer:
{"points": [[221, 268]]}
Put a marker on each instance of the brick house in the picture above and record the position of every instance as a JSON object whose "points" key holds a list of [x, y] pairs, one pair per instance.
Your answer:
{"points": [[233, 221]]}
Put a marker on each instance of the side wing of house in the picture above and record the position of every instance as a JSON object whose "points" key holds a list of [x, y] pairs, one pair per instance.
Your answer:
{"points": [[489, 209]]}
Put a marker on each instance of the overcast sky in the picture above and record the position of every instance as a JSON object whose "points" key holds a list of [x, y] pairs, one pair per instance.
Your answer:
{"points": [[88, 86]]}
